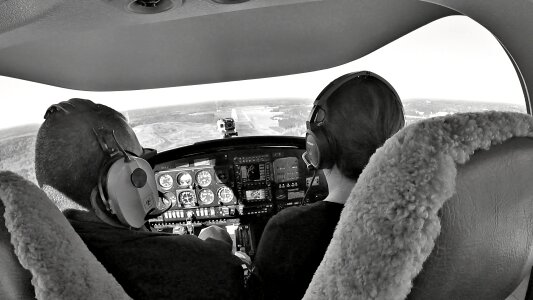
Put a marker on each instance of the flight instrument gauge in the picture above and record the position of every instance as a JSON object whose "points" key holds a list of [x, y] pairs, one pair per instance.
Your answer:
{"points": [[203, 178], [206, 196], [164, 203], [184, 179], [187, 198], [172, 198], [225, 194], [166, 181]]}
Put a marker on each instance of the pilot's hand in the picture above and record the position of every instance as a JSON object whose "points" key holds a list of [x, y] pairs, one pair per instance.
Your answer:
{"points": [[244, 258], [216, 233]]}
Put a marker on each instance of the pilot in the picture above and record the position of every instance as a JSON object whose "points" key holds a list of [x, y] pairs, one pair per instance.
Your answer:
{"points": [[352, 117], [76, 140]]}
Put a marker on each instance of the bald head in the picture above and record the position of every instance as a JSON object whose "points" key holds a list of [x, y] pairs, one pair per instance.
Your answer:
{"points": [[68, 156]]}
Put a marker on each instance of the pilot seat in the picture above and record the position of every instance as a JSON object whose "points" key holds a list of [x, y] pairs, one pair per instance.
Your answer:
{"points": [[41, 256], [444, 210]]}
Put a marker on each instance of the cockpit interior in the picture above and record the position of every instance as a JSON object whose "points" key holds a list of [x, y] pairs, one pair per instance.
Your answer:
{"points": [[237, 183], [221, 164]]}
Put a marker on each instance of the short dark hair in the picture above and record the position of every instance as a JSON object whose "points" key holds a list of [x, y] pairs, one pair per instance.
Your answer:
{"points": [[68, 156], [361, 115]]}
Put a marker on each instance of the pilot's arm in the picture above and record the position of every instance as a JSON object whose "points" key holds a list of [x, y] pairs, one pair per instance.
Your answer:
{"points": [[292, 247]]}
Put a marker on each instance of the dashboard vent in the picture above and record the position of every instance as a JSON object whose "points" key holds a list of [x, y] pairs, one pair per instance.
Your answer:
{"points": [[152, 6], [229, 1]]}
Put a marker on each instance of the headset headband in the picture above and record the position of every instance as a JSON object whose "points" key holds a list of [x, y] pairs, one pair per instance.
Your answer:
{"points": [[147, 153], [102, 142], [332, 87]]}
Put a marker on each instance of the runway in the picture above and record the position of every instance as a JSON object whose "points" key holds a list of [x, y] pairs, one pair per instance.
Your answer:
{"points": [[255, 120]]}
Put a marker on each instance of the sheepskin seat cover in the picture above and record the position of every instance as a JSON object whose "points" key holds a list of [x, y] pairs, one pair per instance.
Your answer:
{"points": [[46, 244], [389, 224]]}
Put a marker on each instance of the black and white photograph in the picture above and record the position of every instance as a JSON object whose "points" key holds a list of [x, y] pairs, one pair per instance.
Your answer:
{"points": [[266, 149]]}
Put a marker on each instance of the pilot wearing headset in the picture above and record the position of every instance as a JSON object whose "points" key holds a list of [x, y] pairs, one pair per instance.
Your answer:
{"points": [[90, 154], [352, 117]]}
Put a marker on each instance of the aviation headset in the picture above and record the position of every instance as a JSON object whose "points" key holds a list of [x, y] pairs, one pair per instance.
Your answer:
{"points": [[126, 185], [320, 149]]}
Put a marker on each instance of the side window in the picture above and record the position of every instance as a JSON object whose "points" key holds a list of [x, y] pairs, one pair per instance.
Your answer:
{"points": [[450, 65], [447, 66]]}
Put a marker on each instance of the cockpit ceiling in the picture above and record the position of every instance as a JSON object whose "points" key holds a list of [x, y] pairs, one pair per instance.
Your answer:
{"points": [[98, 45]]}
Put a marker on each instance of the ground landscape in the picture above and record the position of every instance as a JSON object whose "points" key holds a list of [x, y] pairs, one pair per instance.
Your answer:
{"points": [[165, 128]]}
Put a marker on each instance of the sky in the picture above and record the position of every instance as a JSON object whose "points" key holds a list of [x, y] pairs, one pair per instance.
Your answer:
{"points": [[452, 58]]}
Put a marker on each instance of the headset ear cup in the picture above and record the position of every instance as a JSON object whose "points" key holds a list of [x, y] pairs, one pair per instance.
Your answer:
{"points": [[102, 181], [131, 200], [324, 147], [312, 151], [319, 149]]}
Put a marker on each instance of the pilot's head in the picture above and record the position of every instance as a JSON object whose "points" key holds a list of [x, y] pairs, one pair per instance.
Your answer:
{"points": [[68, 155], [354, 115]]}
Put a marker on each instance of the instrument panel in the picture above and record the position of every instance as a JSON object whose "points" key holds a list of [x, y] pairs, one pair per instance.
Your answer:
{"points": [[233, 184], [242, 183]]}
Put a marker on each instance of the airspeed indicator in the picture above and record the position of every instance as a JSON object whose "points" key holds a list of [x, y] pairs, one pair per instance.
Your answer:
{"points": [[166, 181]]}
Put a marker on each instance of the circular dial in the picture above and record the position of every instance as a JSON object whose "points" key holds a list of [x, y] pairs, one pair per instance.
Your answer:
{"points": [[203, 178], [184, 179], [187, 198], [165, 181], [164, 203], [172, 198], [225, 194], [207, 196]]}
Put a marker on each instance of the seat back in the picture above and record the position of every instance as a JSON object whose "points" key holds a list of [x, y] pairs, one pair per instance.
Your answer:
{"points": [[443, 210], [485, 246], [41, 240], [14, 279]]}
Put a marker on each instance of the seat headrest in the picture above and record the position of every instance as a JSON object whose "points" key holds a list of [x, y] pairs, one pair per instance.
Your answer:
{"points": [[391, 221], [14, 279], [45, 243]]}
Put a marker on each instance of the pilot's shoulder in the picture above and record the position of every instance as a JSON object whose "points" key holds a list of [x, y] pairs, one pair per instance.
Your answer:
{"points": [[292, 216]]}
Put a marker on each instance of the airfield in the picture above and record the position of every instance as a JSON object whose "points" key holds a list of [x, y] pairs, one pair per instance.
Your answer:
{"points": [[164, 128]]}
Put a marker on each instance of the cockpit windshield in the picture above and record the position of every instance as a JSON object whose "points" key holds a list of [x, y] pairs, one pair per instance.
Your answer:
{"points": [[450, 65], [170, 127]]}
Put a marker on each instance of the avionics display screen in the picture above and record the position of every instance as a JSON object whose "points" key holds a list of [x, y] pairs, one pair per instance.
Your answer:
{"points": [[253, 172], [255, 195]]}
